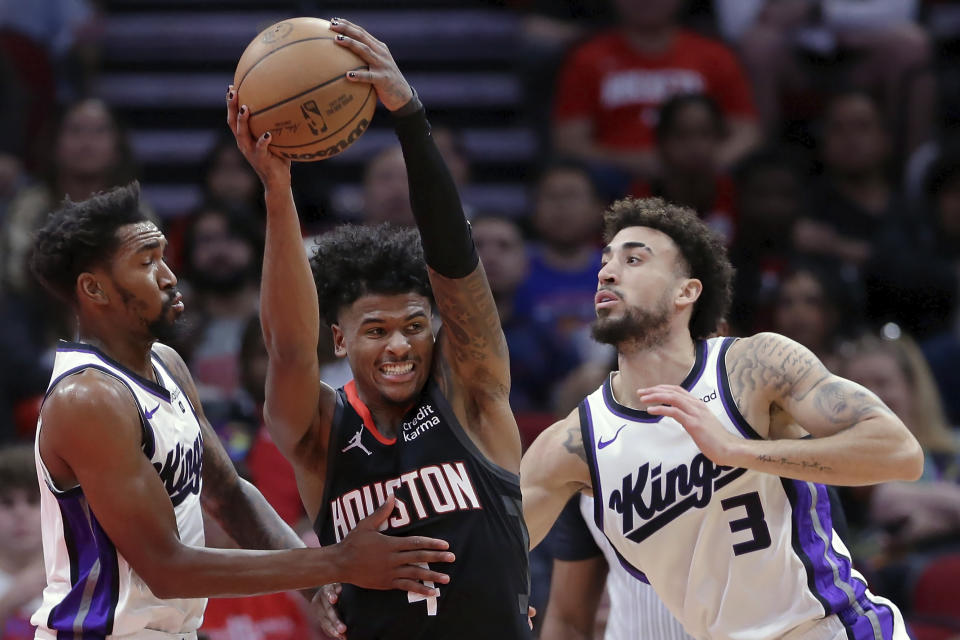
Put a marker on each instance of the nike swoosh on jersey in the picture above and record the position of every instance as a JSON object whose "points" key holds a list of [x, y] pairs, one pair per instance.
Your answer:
{"points": [[600, 442], [149, 414]]}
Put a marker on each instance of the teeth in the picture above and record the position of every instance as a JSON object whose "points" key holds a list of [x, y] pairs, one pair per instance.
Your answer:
{"points": [[397, 369]]}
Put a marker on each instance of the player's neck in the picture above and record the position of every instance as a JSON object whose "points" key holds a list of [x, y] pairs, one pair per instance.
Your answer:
{"points": [[132, 353], [667, 363]]}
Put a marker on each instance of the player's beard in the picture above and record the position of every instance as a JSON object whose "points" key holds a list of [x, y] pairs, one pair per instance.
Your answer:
{"points": [[167, 327], [636, 328]]}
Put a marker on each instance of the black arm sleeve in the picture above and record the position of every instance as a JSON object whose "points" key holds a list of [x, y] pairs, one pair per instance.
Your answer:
{"points": [[447, 244]]}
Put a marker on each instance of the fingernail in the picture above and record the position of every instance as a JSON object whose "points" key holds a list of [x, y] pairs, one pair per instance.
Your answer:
{"points": [[230, 95], [266, 135], [352, 74], [340, 36], [243, 109]]}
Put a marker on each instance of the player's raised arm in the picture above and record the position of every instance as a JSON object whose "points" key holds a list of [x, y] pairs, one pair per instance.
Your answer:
{"points": [[472, 343], [296, 400], [856, 439]]}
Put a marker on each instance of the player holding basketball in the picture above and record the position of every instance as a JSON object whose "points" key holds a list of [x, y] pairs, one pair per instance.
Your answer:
{"points": [[425, 419], [126, 458], [701, 483]]}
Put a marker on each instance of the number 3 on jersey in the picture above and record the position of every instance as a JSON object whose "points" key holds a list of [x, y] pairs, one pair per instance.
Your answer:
{"points": [[754, 522], [431, 600]]}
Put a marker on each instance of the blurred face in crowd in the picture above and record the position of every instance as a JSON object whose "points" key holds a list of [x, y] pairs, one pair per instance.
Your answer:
{"points": [[646, 14], [19, 522], [230, 178], [568, 212], [691, 145], [386, 195], [503, 253], [855, 141], [88, 141], [948, 209], [388, 339], [802, 311], [770, 198], [221, 260], [881, 373]]}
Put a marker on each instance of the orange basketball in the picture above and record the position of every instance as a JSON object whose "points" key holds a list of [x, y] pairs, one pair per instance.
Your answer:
{"points": [[292, 79]]}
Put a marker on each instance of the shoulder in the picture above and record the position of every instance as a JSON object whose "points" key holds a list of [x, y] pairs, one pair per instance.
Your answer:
{"points": [[175, 364], [707, 48], [773, 364], [767, 347], [91, 402]]}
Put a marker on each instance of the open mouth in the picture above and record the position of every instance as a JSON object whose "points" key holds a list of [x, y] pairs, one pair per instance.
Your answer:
{"points": [[177, 303], [397, 369], [605, 299]]}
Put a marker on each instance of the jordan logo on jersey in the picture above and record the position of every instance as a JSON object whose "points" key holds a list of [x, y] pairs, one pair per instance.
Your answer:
{"points": [[356, 442], [181, 471], [422, 493], [659, 498]]}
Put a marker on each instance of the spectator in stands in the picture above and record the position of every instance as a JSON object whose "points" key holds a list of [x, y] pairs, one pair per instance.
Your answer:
{"points": [[807, 309], [90, 154], [386, 196], [769, 189], [22, 577], [222, 259], [538, 359], [563, 266], [873, 45], [856, 197], [229, 179], [943, 203], [611, 87], [690, 133]]}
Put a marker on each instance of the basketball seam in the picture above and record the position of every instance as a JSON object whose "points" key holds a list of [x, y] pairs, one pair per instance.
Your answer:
{"points": [[305, 92], [270, 53], [307, 144]]}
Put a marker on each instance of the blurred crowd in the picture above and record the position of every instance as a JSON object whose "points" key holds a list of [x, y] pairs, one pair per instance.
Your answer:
{"points": [[817, 137]]}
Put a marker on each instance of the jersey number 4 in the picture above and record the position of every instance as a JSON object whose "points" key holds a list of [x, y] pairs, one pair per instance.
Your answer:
{"points": [[753, 521], [431, 600]]}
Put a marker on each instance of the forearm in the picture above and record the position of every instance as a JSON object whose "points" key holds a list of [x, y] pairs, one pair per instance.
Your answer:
{"points": [[289, 310], [556, 628], [872, 451], [197, 572], [250, 520], [744, 136], [447, 245]]}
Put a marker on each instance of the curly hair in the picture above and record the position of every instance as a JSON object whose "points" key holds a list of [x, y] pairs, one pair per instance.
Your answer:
{"points": [[82, 235], [353, 261], [702, 250]]}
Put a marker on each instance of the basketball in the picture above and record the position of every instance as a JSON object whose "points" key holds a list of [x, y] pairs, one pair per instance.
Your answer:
{"points": [[292, 77]]}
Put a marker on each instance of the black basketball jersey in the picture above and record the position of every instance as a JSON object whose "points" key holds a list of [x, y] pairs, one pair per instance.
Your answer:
{"points": [[445, 488]]}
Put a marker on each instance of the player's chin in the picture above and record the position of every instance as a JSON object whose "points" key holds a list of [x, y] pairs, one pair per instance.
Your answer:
{"points": [[398, 392]]}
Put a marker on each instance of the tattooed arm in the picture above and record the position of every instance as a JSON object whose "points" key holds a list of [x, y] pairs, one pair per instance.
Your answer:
{"points": [[856, 439], [553, 469]]}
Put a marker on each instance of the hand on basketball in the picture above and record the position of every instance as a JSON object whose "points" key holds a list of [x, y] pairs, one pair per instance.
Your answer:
{"points": [[374, 561], [273, 170], [692, 413], [330, 622], [391, 87]]}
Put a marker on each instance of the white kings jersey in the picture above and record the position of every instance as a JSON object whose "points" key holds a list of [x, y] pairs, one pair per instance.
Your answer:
{"points": [[92, 592], [732, 553], [635, 609]]}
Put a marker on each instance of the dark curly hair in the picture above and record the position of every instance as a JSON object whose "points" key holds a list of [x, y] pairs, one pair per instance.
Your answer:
{"points": [[352, 261], [82, 235], [702, 250]]}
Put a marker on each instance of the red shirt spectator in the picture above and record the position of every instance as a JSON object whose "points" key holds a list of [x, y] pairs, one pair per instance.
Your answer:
{"points": [[277, 616], [620, 88]]}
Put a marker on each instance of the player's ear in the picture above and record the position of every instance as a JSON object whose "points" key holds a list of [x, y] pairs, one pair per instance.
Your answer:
{"points": [[690, 290], [339, 346], [89, 288]]}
